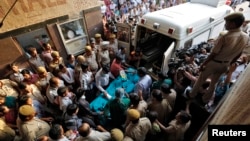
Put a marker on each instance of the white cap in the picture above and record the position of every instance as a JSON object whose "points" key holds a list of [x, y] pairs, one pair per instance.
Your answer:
{"points": [[104, 43]]}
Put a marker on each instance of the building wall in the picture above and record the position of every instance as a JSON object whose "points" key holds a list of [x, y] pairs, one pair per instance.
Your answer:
{"points": [[30, 18], [29, 12]]}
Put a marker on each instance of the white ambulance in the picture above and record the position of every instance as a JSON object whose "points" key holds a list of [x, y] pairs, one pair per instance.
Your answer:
{"points": [[161, 32]]}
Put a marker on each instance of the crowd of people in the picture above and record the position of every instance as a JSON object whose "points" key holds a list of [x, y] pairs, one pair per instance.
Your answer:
{"points": [[130, 12], [50, 101]]}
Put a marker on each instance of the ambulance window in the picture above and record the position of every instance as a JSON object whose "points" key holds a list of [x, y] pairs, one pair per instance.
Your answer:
{"points": [[202, 37], [216, 30]]}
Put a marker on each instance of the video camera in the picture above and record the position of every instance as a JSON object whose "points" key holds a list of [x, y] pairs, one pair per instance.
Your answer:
{"points": [[175, 63], [196, 51]]}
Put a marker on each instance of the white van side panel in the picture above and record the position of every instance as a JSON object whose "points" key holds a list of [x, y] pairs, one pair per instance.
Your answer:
{"points": [[214, 3], [201, 38], [181, 17], [219, 27], [186, 24]]}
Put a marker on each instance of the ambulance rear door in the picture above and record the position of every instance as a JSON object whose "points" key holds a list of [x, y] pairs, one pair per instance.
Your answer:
{"points": [[166, 57]]}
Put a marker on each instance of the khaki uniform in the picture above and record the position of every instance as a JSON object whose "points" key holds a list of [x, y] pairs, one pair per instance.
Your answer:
{"points": [[91, 60], [227, 47], [103, 57], [163, 109], [33, 129], [246, 51], [55, 66], [6, 133], [171, 98], [142, 108], [179, 130], [138, 131]]}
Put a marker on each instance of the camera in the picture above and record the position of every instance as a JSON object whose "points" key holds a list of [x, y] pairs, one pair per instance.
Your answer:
{"points": [[175, 63]]}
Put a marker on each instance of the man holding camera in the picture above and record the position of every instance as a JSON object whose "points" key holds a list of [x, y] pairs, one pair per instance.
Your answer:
{"points": [[227, 49]]}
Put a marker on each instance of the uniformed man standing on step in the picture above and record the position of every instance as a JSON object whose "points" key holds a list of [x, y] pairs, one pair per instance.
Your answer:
{"points": [[228, 48]]}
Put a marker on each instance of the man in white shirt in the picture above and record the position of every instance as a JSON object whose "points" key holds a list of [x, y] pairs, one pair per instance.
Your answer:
{"points": [[103, 9], [51, 92], [246, 27], [241, 64], [102, 80], [103, 55], [112, 6], [142, 87]]}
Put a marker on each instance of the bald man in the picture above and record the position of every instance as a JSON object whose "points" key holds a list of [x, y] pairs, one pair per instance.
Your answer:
{"points": [[87, 133]]}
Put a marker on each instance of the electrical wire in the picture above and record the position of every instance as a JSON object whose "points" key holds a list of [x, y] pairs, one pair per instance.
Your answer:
{"points": [[1, 23]]}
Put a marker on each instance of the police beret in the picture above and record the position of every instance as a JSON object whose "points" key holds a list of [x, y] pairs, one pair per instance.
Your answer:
{"points": [[112, 36], [116, 134], [88, 48], [234, 16], [98, 35], [80, 59], [133, 114], [26, 110], [41, 70], [55, 54]]}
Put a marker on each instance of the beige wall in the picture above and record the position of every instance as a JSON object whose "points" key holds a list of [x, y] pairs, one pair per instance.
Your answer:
{"points": [[29, 12]]}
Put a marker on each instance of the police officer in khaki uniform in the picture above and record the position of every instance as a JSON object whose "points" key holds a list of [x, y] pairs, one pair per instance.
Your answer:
{"points": [[31, 128], [227, 49], [138, 127], [98, 40]]}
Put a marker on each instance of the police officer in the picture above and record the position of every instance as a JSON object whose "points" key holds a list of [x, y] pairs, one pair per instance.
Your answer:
{"points": [[30, 128], [227, 49]]}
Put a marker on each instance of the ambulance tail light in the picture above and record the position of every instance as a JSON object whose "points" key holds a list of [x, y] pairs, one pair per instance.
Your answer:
{"points": [[143, 21], [170, 31], [189, 30], [228, 2]]}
